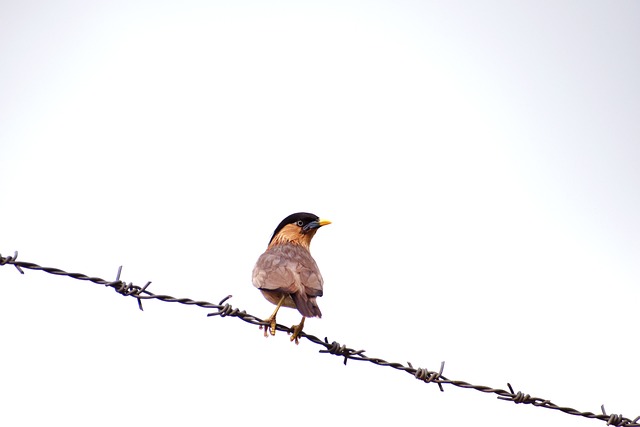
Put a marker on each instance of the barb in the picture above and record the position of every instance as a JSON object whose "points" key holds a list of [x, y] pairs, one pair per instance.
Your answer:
{"points": [[224, 309]]}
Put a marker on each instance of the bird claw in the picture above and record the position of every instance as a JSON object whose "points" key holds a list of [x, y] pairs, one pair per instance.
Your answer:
{"points": [[265, 329], [295, 336], [270, 327], [296, 331]]}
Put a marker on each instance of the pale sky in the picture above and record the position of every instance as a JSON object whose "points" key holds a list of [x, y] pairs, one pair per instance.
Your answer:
{"points": [[479, 160]]}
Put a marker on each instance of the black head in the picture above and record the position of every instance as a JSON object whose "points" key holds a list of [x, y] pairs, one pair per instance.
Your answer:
{"points": [[306, 221]]}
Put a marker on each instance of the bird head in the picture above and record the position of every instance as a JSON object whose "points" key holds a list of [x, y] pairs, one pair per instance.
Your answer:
{"points": [[297, 228]]}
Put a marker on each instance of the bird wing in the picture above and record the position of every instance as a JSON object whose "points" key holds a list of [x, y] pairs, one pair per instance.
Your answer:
{"points": [[288, 268], [310, 277], [272, 273]]}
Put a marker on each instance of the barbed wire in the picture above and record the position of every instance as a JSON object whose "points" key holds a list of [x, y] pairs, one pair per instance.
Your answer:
{"points": [[224, 309]]}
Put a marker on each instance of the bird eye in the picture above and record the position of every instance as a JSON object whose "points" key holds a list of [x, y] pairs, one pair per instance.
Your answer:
{"points": [[299, 223]]}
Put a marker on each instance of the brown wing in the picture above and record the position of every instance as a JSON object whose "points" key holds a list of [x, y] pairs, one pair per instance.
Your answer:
{"points": [[273, 273], [310, 276], [290, 269]]}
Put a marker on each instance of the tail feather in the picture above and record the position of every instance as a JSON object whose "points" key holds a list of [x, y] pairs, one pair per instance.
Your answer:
{"points": [[306, 305]]}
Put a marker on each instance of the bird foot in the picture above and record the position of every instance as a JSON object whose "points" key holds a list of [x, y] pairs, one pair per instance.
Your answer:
{"points": [[296, 331], [271, 320], [271, 327]]}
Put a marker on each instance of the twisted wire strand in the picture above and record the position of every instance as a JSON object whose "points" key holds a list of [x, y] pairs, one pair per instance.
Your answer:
{"points": [[224, 309]]}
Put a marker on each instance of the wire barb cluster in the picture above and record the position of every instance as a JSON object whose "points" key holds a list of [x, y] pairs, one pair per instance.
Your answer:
{"points": [[224, 309]]}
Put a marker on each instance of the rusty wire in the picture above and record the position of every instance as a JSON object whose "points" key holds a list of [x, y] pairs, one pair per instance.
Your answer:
{"points": [[224, 309]]}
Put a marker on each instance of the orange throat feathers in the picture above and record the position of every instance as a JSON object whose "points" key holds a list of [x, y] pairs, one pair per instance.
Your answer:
{"points": [[290, 233]]}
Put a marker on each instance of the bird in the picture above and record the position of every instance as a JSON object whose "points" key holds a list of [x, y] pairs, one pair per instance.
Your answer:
{"points": [[286, 274]]}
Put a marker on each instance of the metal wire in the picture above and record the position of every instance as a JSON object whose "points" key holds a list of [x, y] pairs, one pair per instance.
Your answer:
{"points": [[224, 309]]}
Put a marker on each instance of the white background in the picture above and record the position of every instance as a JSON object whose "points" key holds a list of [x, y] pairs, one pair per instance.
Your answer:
{"points": [[479, 161]]}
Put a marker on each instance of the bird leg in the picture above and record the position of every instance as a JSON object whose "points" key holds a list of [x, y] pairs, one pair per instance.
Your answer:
{"points": [[272, 319], [296, 330]]}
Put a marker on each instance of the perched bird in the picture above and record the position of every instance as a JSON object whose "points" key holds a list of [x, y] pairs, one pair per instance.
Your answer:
{"points": [[286, 274]]}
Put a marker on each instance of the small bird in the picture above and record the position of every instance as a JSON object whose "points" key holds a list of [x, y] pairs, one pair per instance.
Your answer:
{"points": [[286, 274]]}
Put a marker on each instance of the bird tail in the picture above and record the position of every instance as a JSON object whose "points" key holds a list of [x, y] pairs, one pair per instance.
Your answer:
{"points": [[306, 305]]}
